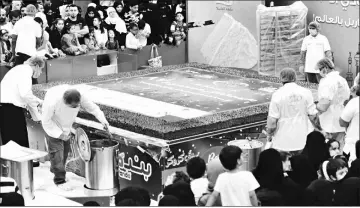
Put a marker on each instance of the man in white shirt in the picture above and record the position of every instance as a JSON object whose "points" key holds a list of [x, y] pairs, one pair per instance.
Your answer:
{"points": [[350, 120], [314, 47], [131, 41], [16, 95], [235, 187], [290, 109], [26, 36], [60, 108], [333, 91]]}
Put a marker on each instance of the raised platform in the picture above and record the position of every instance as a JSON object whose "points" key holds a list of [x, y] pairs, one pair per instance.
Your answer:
{"points": [[179, 101]]}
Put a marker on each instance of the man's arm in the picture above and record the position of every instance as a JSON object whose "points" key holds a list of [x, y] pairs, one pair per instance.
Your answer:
{"points": [[302, 57], [271, 125], [343, 123], [83, 31], [94, 109], [212, 199], [253, 199], [273, 116], [347, 114], [323, 105]]}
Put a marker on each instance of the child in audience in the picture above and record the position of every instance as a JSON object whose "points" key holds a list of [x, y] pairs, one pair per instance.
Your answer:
{"points": [[45, 49], [144, 32], [56, 32], [196, 168], [235, 187], [70, 42], [90, 40], [5, 49], [131, 41], [112, 43], [178, 30], [101, 34]]}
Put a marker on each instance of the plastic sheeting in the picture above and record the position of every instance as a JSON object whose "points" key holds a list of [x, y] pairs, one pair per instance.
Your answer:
{"points": [[282, 30]]}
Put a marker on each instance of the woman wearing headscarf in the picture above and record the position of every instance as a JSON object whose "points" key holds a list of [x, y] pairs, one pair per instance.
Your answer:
{"points": [[333, 188], [114, 22], [302, 173], [333, 91], [271, 177], [182, 191], [119, 7], [315, 149], [91, 13]]}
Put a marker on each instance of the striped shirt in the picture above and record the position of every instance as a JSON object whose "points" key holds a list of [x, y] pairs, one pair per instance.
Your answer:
{"points": [[130, 17]]}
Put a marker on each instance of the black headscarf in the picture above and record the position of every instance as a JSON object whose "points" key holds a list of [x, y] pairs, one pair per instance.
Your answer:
{"points": [[303, 173], [169, 200], [90, 20], [269, 171], [182, 191], [315, 149]]}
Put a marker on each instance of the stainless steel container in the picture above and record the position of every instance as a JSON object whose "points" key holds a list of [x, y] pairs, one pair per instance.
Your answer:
{"points": [[22, 173], [100, 171], [251, 152]]}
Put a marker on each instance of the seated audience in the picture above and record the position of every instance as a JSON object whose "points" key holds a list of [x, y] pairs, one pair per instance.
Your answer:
{"points": [[70, 43], [132, 196], [75, 19], [302, 172], [56, 32], [40, 13], [270, 174], [131, 41], [333, 188], [235, 187], [315, 149], [119, 7], [196, 169]]}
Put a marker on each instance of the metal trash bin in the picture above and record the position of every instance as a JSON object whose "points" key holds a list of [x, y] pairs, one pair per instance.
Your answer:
{"points": [[251, 152], [100, 161], [22, 173]]}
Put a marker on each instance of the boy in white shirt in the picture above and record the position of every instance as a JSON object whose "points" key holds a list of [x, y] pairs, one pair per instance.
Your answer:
{"points": [[196, 168], [131, 41], [235, 187]]}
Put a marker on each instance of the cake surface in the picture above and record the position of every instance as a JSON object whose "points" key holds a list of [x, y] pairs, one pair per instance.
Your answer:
{"points": [[178, 101]]}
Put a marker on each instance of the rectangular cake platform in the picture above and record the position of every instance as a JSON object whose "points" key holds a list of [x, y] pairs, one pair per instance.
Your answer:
{"points": [[165, 116]]}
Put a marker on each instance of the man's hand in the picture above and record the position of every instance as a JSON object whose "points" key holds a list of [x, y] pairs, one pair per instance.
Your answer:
{"points": [[301, 69], [105, 124], [65, 137]]}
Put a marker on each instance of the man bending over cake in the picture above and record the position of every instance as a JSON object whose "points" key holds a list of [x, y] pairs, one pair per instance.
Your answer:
{"points": [[60, 108]]}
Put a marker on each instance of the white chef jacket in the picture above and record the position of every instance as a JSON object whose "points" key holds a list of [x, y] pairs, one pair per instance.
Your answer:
{"points": [[16, 88], [27, 30], [291, 105], [132, 42], [58, 118], [315, 48], [334, 88]]}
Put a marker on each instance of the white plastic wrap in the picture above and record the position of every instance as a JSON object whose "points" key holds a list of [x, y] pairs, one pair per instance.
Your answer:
{"points": [[281, 32]]}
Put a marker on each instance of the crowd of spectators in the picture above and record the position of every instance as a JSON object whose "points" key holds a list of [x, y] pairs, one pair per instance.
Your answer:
{"points": [[67, 30]]}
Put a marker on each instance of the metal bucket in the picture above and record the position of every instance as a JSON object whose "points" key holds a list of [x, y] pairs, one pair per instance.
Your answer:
{"points": [[100, 171], [251, 152], [22, 173]]}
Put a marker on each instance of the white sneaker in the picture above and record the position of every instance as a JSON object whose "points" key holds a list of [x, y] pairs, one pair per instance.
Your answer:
{"points": [[65, 187]]}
